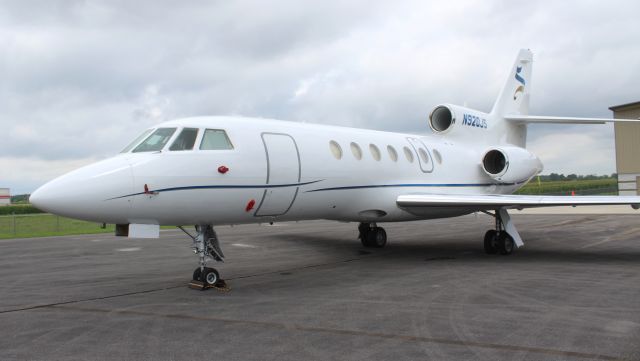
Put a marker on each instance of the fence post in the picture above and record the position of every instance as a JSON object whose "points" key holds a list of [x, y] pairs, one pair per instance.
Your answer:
{"points": [[57, 223], [14, 223]]}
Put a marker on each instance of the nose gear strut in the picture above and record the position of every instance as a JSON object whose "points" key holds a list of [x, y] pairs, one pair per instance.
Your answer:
{"points": [[207, 246]]}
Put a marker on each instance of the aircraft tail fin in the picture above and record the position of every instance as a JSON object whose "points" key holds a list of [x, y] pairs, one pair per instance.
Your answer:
{"points": [[515, 94], [507, 122], [514, 100]]}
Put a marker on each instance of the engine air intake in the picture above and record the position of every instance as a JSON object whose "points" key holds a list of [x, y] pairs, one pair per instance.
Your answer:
{"points": [[510, 164], [441, 119], [494, 162]]}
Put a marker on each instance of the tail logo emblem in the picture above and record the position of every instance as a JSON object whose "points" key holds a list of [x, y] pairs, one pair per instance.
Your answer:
{"points": [[518, 77], [520, 88]]}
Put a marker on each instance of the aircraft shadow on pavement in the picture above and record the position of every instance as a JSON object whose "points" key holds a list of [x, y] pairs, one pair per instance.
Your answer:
{"points": [[463, 248]]}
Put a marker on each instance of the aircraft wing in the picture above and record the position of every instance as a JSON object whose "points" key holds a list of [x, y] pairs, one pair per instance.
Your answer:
{"points": [[493, 202], [528, 119]]}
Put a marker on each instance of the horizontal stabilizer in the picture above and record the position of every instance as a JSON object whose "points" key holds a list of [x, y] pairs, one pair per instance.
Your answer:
{"points": [[489, 202], [527, 119]]}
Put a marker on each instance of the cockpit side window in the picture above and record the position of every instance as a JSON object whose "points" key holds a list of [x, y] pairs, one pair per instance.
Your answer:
{"points": [[156, 141], [215, 139], [136, 141], [185, 140]]}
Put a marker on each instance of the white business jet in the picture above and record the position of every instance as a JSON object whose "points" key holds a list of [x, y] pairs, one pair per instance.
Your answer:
{"points": [[209, 171]]}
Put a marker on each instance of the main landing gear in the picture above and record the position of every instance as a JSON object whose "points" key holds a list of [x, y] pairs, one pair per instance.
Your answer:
{"points": [[372, 236], [505, 238], [207, 246], [498, 242]]}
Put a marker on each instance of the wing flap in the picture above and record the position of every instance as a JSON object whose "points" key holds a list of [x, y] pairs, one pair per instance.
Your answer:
{"points": [[488, 202]]}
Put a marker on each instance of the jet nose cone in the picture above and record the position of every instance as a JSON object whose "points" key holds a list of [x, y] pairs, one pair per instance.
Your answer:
{"points": [[36, 199], [91, 193], [51, 196]]}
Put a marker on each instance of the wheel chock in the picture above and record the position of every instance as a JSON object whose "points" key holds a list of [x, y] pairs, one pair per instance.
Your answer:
{"points": [[221, 286], [197, 285]]}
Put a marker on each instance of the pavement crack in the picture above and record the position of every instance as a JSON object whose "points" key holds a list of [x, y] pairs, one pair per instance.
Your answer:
{"points": [[288, 270], [28, 308]]}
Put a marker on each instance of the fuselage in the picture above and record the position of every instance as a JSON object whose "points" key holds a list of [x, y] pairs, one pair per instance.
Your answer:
{"points": [[273, 171]]}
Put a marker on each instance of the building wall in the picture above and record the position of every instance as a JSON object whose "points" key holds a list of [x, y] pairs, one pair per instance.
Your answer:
{"points": [[628, 150], [5, 196]]}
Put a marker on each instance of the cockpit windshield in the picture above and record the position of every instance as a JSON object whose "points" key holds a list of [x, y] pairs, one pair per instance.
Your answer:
{"points": [[215, 139], [156, 141], [136, 141], [185, 140]]}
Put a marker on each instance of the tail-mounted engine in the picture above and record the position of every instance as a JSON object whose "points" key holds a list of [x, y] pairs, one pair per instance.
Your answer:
{"points": [[444, 118], [510, 164]]}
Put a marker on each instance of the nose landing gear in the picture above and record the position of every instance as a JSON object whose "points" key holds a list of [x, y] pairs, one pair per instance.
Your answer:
{"points": [[207, 246], [210, 277]]}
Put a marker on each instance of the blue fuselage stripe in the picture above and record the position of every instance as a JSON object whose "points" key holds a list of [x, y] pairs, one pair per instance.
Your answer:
{"points": [[267, 186], [416, 185], [221, 186]]}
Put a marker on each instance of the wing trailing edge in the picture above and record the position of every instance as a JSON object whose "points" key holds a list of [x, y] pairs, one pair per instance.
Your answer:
{"points": [[532, 119], [492, 202]]}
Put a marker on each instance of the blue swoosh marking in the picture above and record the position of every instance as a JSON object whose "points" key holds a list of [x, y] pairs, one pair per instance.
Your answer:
{"points": [[518, 77]]}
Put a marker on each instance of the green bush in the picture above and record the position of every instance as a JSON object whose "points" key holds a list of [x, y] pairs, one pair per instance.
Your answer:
{"points": [[19, 209]]}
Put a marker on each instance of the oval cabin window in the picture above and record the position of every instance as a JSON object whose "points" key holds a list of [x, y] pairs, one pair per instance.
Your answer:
{"points": [[375, 152], [392, 153], [423, 155], [335, 149], [409, 154], [437, 155], [357, 152]]}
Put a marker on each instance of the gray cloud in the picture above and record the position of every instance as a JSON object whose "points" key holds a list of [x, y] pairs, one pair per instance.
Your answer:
{"points": [[80, 77]]}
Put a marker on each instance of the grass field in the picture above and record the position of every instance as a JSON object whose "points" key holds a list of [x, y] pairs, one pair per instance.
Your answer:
{"points": [[608, 186], [43, 225]]}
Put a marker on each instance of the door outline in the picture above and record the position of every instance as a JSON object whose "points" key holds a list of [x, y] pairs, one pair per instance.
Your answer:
{"points": [[421, 143], [264, 194]]}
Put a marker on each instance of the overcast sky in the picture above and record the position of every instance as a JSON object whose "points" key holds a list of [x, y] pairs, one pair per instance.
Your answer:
{"points": [[80, 79]]}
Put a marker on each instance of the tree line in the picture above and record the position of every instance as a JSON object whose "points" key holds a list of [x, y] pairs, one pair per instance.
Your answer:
{"points": [[554, 177]]}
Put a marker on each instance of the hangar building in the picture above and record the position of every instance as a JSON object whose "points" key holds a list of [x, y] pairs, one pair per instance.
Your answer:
{"points": [[627, 149], [5, 196]]}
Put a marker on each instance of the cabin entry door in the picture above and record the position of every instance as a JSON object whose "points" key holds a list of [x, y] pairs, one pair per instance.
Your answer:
{"points": [[283, 174]]}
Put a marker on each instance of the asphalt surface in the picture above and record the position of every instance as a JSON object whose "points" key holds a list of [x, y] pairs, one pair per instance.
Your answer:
{"points": [[310, 291]]}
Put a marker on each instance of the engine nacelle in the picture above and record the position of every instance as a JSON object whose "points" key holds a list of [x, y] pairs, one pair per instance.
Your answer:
{"points": [[510, 164], [445, 117]]}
